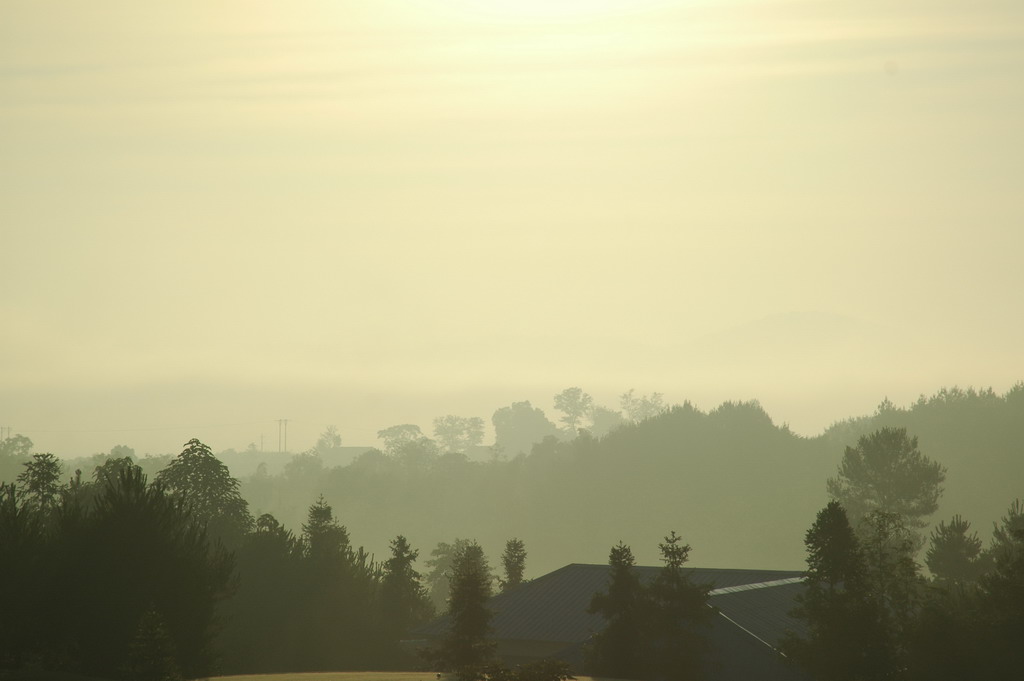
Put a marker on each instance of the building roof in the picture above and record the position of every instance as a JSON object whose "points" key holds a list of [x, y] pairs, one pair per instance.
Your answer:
{"points": [[554, 607]]}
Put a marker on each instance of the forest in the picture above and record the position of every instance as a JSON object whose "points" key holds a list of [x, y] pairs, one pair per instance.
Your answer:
{"points": [[114, 565]]}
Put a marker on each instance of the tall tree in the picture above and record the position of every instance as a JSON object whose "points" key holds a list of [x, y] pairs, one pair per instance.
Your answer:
{"points": [[887, 472], [679, 610], [466, 649], [617, 650], [403, 600], [574, 405], [845, 639], [440, 564], [39, 483], [204, 482], [513, 560]]}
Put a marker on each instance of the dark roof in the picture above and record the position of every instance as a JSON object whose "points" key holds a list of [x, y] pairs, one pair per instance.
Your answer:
{"points": [[554, 607]]}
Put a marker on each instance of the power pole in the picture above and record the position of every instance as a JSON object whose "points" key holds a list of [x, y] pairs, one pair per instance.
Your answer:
{"points": [[282, 435]]}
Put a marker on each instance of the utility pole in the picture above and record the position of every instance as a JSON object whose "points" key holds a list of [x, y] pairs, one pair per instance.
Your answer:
{"points": [[282, 435]]}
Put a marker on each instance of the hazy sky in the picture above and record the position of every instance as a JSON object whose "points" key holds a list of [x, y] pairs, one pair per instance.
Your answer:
{"points": [[371, 212]]}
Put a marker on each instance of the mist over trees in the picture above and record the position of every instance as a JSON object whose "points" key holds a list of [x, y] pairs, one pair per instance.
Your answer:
{"points": [[194, 569]]}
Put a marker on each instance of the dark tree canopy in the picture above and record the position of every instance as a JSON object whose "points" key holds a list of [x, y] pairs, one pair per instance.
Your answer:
{"points": [[205, 483], [953, 554], [617, 650], [466, 649], [845, 638], [887, 472]]}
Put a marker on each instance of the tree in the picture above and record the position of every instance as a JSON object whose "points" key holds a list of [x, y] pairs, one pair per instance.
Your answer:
{"points": [[466, 649], [1003, 598], [404, 602], [458, 434], [397, 436], [198, 477], [641, 408], [441, 563], [328, 441], [886, 472], [574, 404], [893, 582], [520, 426], [513, 560], [604, 420], [953, 555], [617, 650], [845, 639], [679, 608], [39, 483]]}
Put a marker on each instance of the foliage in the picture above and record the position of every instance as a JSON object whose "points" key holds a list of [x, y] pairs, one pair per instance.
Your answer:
{"points": [[845, 637], [198, 477], [40, 481], [604, 420], [328, 441], [441, 563], [679, 609], [457, 433], [517, 428], [513, 560], [953, 556], [641, 408], [466, 649], [617, 650], [403, 599], [540, 670], [886, 472], [397, 436], [574, 405]]}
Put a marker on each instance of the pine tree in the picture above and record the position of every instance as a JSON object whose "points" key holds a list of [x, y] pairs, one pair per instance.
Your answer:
{"points": [[845, 639], [466, 650], [617, 650], [514, 562], [679, 609], [953, 555]]}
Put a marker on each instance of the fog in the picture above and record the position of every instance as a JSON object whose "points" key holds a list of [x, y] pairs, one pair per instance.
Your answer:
{"points": [[242, 223]]}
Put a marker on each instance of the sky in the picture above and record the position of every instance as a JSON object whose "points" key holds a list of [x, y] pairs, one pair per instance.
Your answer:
{"points": [[215, 215]]}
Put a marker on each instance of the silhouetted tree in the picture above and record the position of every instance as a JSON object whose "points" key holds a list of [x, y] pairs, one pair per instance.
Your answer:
{"points": [[953, 554], [440, 564], [618, 649], [845, 638], [39, 483], [466, 648], [679, 609], [403, 600], [574, 404], [198, 477], [513, 560], [886, 472]]}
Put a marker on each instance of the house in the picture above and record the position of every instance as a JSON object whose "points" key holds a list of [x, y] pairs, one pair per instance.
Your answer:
{"points": [[548, 617]]}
